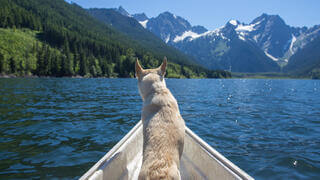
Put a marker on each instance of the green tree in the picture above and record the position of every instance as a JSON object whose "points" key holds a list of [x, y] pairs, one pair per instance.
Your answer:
{"points": [[1, 62], [56, 64], [12, 64], [83, 65], [41, 67]]}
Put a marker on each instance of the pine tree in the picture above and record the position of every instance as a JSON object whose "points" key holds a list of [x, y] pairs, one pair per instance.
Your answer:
{"points": [[56, 65], [83, 65], [12, 64], [69, 64], [41, 68], [28, 66], [1, 62]]}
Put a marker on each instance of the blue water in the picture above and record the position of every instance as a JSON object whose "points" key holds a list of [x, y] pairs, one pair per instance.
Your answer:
{"points": [[59, 128]]}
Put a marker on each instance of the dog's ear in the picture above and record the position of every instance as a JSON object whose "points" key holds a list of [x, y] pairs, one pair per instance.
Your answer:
{"points": [[139, 69], [163, 67]]}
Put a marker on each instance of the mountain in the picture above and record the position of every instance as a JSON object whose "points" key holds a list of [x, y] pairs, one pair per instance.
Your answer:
{"points": [[278, 40], [218, 49], [167, 26], [223, 49], [132, 28], [306, 62], [128, 25], [267, 40], [140, 17], [122, 11], [55, 38]]}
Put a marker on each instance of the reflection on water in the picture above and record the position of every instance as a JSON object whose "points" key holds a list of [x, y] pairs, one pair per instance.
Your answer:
{"points": [[58, 128]]}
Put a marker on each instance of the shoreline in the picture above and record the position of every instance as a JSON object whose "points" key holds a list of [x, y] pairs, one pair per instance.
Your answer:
{"points": [[233, 76], [81, 77]]}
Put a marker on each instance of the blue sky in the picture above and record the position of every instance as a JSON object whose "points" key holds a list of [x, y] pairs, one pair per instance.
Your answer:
{"points": [[213, 14]]}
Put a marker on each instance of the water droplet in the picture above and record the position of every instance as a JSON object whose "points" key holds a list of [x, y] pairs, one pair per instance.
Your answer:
{"points": [[295, 163]]}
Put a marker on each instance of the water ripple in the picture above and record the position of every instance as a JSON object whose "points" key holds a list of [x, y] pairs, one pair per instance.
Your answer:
{"points": [[58, 128]]}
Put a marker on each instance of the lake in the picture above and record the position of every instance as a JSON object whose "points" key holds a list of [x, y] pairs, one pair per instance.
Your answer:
{"points": [[60, 127]]}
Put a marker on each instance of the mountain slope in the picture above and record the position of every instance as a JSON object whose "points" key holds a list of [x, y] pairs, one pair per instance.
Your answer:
{"points": [[18, 44], [278, 40], [167, 26], [306, 62], [271, 34], [224, 49]]}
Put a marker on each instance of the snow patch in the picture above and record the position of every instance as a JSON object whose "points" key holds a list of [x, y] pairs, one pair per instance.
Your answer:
{"points": [[216, 32], [249, 28], [186, 34], [167, 39], [242, 38], [292, 42], [255, 38], [233, 22], [242, 27], [144, 23], [270, 56], [192, 35]]}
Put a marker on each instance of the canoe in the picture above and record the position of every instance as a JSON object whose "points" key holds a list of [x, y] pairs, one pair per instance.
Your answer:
{"points": [[199, 160]]}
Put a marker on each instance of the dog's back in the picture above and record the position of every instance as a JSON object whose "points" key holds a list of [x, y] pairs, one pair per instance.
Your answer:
{"points": [[163, 127]]}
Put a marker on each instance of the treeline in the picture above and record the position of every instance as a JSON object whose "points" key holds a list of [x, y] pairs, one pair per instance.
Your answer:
{"points": [[43, 60], [71, 43]]}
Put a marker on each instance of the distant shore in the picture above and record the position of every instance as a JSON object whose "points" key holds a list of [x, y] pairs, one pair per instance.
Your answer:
{"points": [[271, 75], [78, 76], [35, 76], [234, 76]]}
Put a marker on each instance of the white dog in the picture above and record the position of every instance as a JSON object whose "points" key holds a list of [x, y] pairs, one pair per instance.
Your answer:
{"points": [[163, 126]]}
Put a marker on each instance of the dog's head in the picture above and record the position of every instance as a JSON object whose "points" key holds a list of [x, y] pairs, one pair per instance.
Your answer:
{"points": [[150, 79]]}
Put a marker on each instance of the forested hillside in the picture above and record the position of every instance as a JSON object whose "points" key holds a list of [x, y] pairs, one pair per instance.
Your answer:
{"points": [[54, 38]]}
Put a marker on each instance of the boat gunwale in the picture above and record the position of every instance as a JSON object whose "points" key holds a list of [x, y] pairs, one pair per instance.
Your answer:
{"points": [[211, 151], [221, 159], [110, 154]]}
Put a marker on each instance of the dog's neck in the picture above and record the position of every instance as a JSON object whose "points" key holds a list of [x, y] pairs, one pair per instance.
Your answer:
{"points": [[149, 90]]}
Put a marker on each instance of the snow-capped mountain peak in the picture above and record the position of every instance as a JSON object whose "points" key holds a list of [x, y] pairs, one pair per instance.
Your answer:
{"points": [[170, 27], [234, 22]]}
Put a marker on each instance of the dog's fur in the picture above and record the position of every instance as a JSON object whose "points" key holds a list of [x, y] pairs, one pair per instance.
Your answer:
{"points": [[163, 126]]}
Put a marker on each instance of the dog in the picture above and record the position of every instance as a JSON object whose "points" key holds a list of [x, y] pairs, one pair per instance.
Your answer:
{"points": [[163, 126]]}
